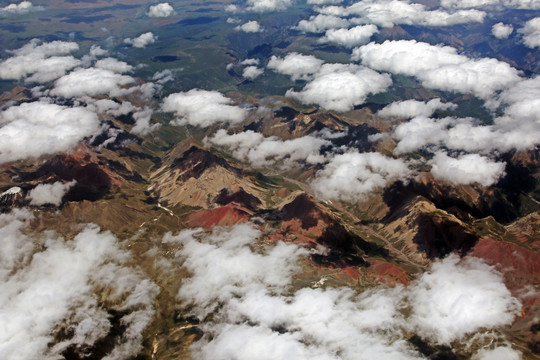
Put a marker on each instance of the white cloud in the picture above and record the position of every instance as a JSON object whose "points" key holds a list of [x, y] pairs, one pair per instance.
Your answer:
{"points": [[266, 151], [501, 30], [388, 13], [297, 66], [324, 2], [90, 82], [142, 122], [355, 36], [268, 5], [53, 285], [113, 65], [531, 33], [321, 23], [512, 4], [160, 10], [22, 8], [466, 169], [247, 310], [44, 62], [439, 67], [354, 176], [340, 87], [142, 40], [49, 193], [33, 129], [419, 132], [96, 50], [223, 265], [250, 62], [252, 72], [458, 297], [409, 109], [161, 77], [499, 353], [202, 108], [250, 27]]}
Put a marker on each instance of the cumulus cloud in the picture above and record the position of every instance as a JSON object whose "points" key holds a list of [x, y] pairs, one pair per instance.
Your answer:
{"points": [[419, 132], [353, 175], [113, 65], [409, 109], [355, 36], [250, 27], [142, 122], [457, 297], [296, 65], [249, 311], [439, 67], [50, 293], [324, 2], [202, 108], [19, 9], [90, 82], [388, 13], [501, 30], [340, 87], [531, 33], [265, 151], [268, 5], [42, 62], [49, 193], [161, 77], [33, 129], [142, 40], [466, 169], [160, 10], [321, 23], [499, 353], [252, 72], [512, 4], [250, 62]]}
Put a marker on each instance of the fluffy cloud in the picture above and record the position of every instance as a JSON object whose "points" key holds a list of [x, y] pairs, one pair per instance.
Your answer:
{"points": [[142, 40], [355, 36], [160, 10], [19, 9], [260, 151], [324, 2], [353, 175], [252, 72], [513, 4], [202, 108], [502, 31], [340, 87], [50, 293], [499, 353], [409, 109], [90, 82], [114, 65], [249, 27], [419, 132], [466, 169], [388, 13], [34, 129], [531, 33], [297, 66], [44, 62], [458, 297], [268, 5], [439, 67], [142, 122], [321, 23], [248, 310], [49, 193]]}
